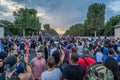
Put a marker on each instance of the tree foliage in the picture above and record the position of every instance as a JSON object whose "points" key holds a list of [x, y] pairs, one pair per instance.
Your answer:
{"points": [[94, 21], [49, 30], [9, 28], [95, 17], [47, 27], [109, 26], [26, 19], [77, 29]]}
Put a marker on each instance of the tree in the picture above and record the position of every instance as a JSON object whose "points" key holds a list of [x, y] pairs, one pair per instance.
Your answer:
{"points": [[95, 17], [76, 29], [26, 19], [9, 28], [109, 26], [48, 29]]}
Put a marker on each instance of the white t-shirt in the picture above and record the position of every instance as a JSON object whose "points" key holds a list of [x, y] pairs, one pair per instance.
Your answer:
{"points": [[99, 56], [79, 50]]}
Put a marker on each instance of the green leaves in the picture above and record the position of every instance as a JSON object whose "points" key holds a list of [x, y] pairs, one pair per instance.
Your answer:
{"points": [[95, 16], [109, 26], [94, 21], [77, 29], [47, 29], [27, 19]]}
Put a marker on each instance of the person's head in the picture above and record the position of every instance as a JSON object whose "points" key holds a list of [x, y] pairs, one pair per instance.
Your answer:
{"points": [[80, 43], [106, 45], [111, 51], [98, 50], [74, 49], [56, 55], [39, 54], [12, 51], [74, 58], [111, 64], [10, 63], [19, 57], [51, 62]]}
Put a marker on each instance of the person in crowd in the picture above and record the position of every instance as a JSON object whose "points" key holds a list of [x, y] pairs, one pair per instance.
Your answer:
{"points": [[22, 47], [118, 60], [1, 64], [98, 56], [10, 69], [67, 52], [26, 48], [112, 53], [38, 65], [73, 71], [111, 64], [59, 58], [55, 47], [85, 60], [105, 50], [79, 47], [52, 73], [115, 45], [15, 48], [12, 52], [19, 67], [46, 50]]}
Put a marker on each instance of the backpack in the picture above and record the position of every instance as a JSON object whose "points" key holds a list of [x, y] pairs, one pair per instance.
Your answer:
{"points": [[99, 72], [14, 76]]}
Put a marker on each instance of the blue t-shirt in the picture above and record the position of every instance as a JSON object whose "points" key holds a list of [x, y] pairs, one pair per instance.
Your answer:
{"points": [[104, 58], [105, 51], [22, 45], [118, 59], [20, 68], [52, 75]]}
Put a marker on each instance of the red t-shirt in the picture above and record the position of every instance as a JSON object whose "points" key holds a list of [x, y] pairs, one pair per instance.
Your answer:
{"points": [[88, 60]]}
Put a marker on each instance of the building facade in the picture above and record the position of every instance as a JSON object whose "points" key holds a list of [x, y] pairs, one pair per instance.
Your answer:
{"points": [[1, 30], [117, 30]]}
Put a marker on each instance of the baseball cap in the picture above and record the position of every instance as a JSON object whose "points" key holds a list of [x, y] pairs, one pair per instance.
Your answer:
{"points": [[10, 63], [69, 46]]}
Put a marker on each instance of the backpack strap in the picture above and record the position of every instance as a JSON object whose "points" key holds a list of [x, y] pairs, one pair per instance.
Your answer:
{"points": [[85, 61]]}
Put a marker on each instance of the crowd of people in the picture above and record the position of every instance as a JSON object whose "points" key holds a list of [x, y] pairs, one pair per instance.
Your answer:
{"points": [[59, 58]]}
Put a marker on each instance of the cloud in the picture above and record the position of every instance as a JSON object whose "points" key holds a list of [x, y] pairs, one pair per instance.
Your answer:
{"points": [[60, 14], [115, 6], [7, 7]]}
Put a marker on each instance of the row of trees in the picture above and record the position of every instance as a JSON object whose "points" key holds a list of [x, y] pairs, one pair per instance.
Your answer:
{"points": [[49, 30], [95, 22], [26, 22]]}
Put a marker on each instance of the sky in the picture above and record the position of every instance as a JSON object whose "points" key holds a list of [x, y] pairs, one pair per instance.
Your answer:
{"points": [[60, 14]]}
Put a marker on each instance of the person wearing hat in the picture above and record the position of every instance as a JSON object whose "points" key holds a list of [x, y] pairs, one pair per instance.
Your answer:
{"points": [[10, 70]]}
